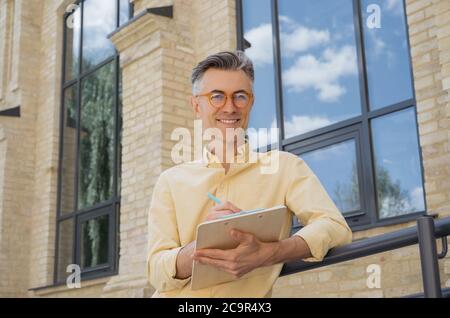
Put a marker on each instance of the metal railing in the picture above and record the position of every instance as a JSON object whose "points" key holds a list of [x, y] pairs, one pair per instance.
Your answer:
{"points": [[425, 234]]}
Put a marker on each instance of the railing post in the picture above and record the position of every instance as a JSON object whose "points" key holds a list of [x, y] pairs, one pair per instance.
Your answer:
{"points": [[428, 257]]}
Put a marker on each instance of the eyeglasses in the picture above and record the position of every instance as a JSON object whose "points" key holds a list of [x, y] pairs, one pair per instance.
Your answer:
{"points": [[218, 99]]}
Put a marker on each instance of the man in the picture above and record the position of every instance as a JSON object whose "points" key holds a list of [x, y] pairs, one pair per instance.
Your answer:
{"points": [[222, 99]]}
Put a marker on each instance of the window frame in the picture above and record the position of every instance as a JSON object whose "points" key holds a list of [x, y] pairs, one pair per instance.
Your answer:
{"points": [[350, 133], [110, 207], [362, 122]]}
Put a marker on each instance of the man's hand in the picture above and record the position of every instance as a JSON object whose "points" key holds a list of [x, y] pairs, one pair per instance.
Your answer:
{"points": [[185, 256], [184, 261], [221, 210], [250, 254]]}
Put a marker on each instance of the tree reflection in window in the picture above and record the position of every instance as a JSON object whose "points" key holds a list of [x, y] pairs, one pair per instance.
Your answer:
{"points": [[67, 201], [346, 194], [397, 159], [94, 245], [339, 179], [97, 138], [90, 137]]}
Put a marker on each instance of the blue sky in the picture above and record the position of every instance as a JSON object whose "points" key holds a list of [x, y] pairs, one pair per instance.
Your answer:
{"points": [[321, 81], [387, 57]]}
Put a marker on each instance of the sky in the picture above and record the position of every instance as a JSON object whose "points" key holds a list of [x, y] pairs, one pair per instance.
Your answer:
{"points": [[321, 79]]}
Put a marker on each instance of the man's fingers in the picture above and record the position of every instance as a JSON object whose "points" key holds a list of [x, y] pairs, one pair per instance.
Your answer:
{"points": [[226, 255], [241, 237], [221, 264], [218, 214], [233, 207], [226, 206], [221, 210]]}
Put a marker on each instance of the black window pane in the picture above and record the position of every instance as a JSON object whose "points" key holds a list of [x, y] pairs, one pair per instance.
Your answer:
{"points": [[73, 34], [97, 146], [336, 168], [94, 242], [99, 19], [124, 13], [386, 49], [319, 64], [259, 47], [398, 172], [65, 249], [69, 150]]}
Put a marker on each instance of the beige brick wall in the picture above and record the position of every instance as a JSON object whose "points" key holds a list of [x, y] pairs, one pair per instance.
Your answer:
{"points": [[47, 144], [20, 71], [428, 25], [157, 55]]}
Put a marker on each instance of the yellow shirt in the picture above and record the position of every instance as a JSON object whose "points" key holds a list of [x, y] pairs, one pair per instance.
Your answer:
{"points": [[179, 204]]}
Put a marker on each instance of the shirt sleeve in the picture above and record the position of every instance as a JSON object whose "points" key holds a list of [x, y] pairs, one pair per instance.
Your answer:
{"points": [[324, 227], [163, 240]]}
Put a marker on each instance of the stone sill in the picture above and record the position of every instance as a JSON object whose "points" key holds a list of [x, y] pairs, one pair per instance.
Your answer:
{"points": [[62, 288]]}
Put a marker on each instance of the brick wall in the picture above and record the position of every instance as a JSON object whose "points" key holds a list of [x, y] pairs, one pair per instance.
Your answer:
{"points": [[430, 49], [18, 79]]}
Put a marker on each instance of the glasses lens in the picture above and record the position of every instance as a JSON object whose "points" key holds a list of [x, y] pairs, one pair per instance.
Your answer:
{"points": [[218, 99], [241, 99]]}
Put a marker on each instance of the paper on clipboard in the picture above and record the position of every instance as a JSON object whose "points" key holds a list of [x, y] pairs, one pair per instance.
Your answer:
{"points": [[267, 225]]}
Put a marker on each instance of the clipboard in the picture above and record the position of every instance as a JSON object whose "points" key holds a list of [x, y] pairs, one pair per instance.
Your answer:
{"points": [[266, 224]]}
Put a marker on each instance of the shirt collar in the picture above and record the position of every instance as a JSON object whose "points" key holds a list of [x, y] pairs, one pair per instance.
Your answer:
{"points": [[212, 161]]}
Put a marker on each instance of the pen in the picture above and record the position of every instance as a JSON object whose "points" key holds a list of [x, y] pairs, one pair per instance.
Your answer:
{"points": [[215, 199]]}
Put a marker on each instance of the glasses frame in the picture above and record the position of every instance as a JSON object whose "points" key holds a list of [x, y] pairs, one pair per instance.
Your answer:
{"points": [[209, 95]]}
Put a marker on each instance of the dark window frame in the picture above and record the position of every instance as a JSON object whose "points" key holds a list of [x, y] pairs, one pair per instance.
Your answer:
{"points": [[318, 138], [110, 207], [353, 133]]}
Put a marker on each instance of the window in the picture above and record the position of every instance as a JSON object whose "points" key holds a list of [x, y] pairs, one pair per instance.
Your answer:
{"points": [[260, 29], [89, 161], [340, 88]]}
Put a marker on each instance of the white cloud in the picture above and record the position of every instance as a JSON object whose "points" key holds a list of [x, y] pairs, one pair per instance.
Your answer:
{"points": [[380, 50], [394, 6], [99, 21], [413, 203], [378, 44], [261, 40], [298, 125], [296, 38], [417, 203], [323, 74]]}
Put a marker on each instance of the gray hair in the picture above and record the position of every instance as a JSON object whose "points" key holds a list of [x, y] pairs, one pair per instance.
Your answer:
{"points": [[233, 61]]}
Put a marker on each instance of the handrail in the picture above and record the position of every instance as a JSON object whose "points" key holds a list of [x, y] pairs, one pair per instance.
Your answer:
{"points": [[373, 245]]}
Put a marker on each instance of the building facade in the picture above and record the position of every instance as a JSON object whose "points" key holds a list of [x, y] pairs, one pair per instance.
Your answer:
{"points": [[91, 91]]}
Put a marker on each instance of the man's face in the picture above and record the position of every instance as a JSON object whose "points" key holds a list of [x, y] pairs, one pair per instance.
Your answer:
{"points": [[228, 116]]}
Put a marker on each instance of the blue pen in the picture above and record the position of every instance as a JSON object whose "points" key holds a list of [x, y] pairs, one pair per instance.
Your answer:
{"points": [[215, 199]]}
